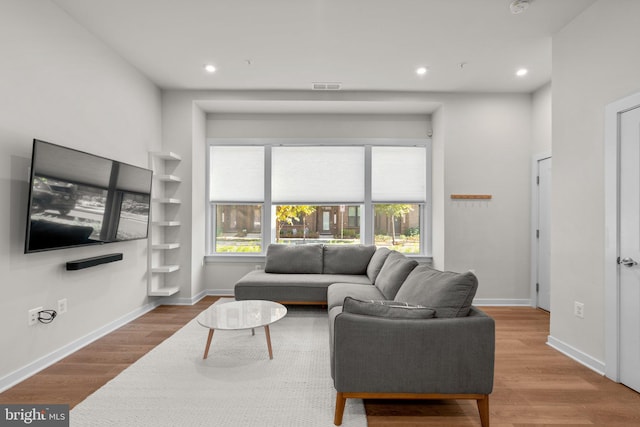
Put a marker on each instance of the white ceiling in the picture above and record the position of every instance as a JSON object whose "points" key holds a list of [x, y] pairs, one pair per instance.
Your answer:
{"points": [[366, 45]]}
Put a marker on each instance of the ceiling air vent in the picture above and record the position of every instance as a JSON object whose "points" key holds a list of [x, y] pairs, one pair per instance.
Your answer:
{"points": [[327, 86]]}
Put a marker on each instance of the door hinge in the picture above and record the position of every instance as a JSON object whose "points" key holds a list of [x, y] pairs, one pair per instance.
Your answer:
{"points": [[618, 260], [537, 234], [538, 180], [537, 287]]}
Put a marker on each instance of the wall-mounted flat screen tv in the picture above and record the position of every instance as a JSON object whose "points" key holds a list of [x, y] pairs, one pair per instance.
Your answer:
{"points": [[78, 199]]}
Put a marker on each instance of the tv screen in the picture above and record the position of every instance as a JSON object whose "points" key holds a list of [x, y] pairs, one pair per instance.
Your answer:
{"points": [[78, 199]]}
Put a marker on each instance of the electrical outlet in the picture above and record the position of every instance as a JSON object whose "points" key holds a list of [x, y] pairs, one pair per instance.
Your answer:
{"points": [[62, 306], [33, 315], [578, 309]]}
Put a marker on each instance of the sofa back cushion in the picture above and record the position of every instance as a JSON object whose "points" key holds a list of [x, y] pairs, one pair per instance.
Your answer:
{"points": [[294, 259], [376, 263], [347, 259], [395, 270], [450, 294]]}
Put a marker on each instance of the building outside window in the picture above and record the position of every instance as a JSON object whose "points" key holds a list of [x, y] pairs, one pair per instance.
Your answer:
{"points": [[238, 228]]}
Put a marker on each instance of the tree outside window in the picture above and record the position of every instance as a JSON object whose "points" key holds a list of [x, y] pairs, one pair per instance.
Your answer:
{"points": [[398, 226]]}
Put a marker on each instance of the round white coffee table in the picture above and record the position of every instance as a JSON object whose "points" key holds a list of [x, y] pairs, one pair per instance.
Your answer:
{"points": [[237, 315]]}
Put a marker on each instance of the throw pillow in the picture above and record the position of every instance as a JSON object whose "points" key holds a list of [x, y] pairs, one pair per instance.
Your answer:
{"points": [[450, 294], [292, 259], [395, 270], [391, 309], [376, 263], [347, 259]]}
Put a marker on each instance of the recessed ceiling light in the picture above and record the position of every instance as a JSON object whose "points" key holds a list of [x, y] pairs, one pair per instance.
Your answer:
{"points": [[421, 71], [210, 68], [522, 72]]}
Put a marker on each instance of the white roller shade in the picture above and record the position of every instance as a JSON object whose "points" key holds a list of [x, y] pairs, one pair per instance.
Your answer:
{"points": [[398, 174], [236, 174], [317, 174]]}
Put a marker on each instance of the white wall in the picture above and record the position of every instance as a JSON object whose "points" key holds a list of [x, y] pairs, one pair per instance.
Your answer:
{"points": [[438, 216], [60, 84], [413, 126], [485, 147], [594, 63], [487, 139], [541, 121]]}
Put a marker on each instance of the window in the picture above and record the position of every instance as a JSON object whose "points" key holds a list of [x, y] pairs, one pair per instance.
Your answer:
{"points": [[397, 226], [236, 197], [366, 191], [238, 228]]}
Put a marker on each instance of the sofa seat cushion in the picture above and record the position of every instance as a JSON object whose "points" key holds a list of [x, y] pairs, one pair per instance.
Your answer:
{"points": [[450, 294], [337, 292], [347, 259], [291, 259], [291, 287], [395, 270], [391, 309]]}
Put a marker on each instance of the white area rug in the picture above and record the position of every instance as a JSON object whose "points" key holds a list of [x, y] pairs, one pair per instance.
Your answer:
{"points": [[236, 386]]}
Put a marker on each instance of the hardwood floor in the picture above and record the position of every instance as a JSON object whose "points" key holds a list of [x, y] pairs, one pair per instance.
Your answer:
{"points": [[534, 384]]}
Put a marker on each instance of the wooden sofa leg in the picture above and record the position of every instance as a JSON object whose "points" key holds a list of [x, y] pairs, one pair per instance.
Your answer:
{"points": [[340, 402], [483, 408]]}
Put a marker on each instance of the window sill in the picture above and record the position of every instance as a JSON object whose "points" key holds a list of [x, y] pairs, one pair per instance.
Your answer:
{"points": [[234, 258], [253, 258]]}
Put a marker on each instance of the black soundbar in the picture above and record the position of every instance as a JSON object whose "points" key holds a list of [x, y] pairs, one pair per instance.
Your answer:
{"points": [[79, 264]]}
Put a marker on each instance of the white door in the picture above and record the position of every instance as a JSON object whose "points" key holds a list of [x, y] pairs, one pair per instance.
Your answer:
{"points": [[544, 235], [629, 249]]}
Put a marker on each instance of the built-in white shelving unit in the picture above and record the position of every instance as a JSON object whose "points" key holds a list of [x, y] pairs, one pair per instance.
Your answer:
{"points": [[163, 236]]}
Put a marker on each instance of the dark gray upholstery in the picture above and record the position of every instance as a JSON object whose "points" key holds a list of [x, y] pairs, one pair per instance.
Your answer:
{"points": [[294, 273], [450, 294], [376, 263], [382, 355], [337, 292], [291, 287], [387, 357], [291, 259], [395, 270], [347, 259]]}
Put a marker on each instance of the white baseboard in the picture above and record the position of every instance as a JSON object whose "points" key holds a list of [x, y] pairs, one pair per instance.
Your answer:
{"points": [[498, 302], [220, 292], [577, 355], [194, 299], [33, 368]]}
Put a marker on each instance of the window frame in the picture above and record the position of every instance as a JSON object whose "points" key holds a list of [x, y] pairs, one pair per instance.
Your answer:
{"points": [[268, 209]]}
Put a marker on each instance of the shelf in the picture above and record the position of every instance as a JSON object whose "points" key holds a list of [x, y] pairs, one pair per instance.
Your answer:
{"points": [[160, 283], [165, 246], [166, 223], [167, 155], [165, 269], [169, 178], [163, 292], [168, 200]]}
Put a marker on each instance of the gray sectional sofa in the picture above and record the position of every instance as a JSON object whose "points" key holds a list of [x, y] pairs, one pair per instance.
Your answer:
{"points": [[398, 330]]}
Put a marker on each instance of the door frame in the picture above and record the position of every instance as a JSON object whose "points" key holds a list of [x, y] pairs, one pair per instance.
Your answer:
{"points": [[613, 112], [535, 204]]}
